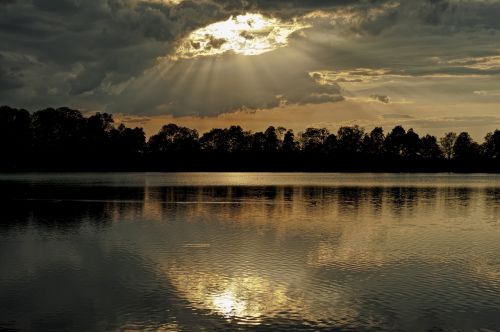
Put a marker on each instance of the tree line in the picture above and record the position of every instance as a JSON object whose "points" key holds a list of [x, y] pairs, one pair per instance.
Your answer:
{"points": [[64, 139]]}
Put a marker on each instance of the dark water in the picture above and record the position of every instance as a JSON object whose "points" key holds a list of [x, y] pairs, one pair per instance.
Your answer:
{"points": [[190, 252]]}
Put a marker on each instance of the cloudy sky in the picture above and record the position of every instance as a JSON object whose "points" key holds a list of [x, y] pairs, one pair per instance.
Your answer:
{"points": [[433, 65]]}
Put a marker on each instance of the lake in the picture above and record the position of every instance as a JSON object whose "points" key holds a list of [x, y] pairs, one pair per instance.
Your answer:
{"points": [[256, 251]]}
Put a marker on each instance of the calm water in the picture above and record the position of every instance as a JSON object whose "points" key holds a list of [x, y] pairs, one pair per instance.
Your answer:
{"points": [[190, 252]]}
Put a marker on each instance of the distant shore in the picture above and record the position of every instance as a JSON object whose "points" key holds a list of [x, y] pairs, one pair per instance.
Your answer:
{"points": [[63, 140]]}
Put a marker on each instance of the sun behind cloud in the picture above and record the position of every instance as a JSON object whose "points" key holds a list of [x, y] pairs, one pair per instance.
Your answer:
{"points": [[249, 34]]}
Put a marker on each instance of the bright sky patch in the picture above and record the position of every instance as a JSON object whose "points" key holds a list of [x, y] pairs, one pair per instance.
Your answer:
{"points": [[249, 34]]}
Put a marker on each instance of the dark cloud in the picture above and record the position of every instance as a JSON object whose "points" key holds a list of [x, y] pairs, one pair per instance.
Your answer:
{"points": [[135, 120], [247, 35], [455, 122], [104, 42], [320, 98], [381, 98], [291, 7], [396, 116], [9, 80], [432, 10], [215, 42], [62, 6], [112, 53]]}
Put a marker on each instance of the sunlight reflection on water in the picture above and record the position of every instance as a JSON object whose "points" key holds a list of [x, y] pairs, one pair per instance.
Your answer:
{"points": [[348, 252]]}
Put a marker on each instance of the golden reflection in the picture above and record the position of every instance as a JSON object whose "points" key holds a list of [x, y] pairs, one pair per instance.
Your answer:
{"points": [[226, 303], [249, 34], [253, 297], [332, 232], [349, 253], [248, 297], [487, 271]]}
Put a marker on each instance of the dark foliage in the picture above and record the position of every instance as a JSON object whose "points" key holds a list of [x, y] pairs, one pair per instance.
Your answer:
{"points": [[64, 140]]}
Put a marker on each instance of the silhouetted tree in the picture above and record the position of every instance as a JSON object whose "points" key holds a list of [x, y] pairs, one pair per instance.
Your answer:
{"points": [[289, 144], [174, 138], [237, 139], [59, 138], [491, 145], [331, 145], [100, 123], [258, 142], [280, 132], [373, 144], [215, 140], [349, 140], [312, 139], [97, 133], [272, 143], [465, 148], [394, 143], [447, 142], [127, 140], [63, 139], [411, 145], [430, 148], [15, 136], [57, 130]]}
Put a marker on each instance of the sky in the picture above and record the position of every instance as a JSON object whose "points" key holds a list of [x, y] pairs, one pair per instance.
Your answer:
{"points": [[431, 65]]}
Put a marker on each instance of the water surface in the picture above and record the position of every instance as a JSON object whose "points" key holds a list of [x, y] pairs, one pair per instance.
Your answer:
{"points": [[227, 251]]}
